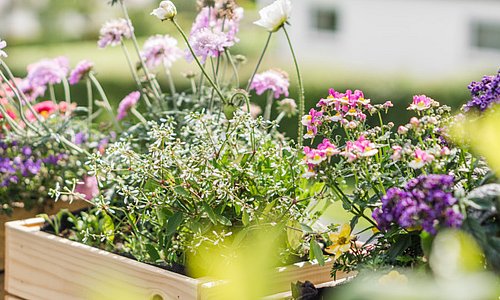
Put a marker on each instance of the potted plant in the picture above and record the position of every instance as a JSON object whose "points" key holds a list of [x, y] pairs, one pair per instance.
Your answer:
{"points": [[199, 173]]}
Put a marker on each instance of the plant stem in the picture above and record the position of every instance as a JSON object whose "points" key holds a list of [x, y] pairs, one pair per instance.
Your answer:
{"points": [[67, 97], [51, 92], [138, 116], [134, 73], [197, 60], [90, 108], [269, 106], [104, 99], [301, 91], [235, 70], [259, 62], [172, 88]]}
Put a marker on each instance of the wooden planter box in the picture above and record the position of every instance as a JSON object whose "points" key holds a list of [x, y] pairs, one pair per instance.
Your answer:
{"points": [[43, 266], [20, 214]]}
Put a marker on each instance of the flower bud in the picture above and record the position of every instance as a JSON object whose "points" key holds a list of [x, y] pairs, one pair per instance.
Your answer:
{"points": [[402, 130], [166, 11], [288, 106]]}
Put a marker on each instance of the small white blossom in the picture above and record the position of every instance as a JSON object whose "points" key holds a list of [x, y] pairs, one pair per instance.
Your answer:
{"points": [[166, 11], [273, 16]]}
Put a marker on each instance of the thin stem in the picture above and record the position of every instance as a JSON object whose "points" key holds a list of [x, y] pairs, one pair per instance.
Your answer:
{"points": [[52, 92], [172, 88], [90, 108], [269, 106], [301, 91], [235, 70], [259, 62], [138, 116], [193, 85], [104, 99], [197, 60], [67, 97], [11, 122], [134, 73]]}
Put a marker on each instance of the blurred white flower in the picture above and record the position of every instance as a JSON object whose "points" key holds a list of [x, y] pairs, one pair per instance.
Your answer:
{"points": [[165, 11], [273, 16], [3, 44]]}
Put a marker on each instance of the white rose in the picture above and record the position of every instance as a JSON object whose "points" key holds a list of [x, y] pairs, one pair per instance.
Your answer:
{"points": [[273, 16], [166, 11]]}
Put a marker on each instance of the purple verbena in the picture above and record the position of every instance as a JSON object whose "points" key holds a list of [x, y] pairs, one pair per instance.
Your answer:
{"points": [[484, 93]]}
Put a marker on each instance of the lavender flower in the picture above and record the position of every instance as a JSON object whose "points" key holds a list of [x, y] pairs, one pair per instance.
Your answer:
{"points": [[80, 138], [47, 71], [209, 17], [484, 93], [425, 202], [112, 32], [160, 49], [207, 43], [3, 44], [127, 103], [274, 79], [81, 69], [32, 92]]}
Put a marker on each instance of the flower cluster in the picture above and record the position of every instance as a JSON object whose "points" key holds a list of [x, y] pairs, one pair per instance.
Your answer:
{"points": [[422, 102], [47, 71], [160, 50], [484, 93], [113, 32], [81, 69], [274, 80], [127, 104], [425, 202]]}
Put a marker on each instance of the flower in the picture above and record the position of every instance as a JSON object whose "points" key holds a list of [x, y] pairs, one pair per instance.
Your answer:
{"points": [[127, 103], [398, 152], [211, 18], [207, 43], [275, 80], [484, 93], [393, 277], [45, 109], [160, 49], [165, 11], [81, 69], [360, 147], [32, 92], [425, 202], [255, 110], [88, 189], [312, 121], [113, 31], [402, 130], [421, 158], [47, 71], [341, 241], [421, 102], [3, 44], [329, 148], [275, 15], [288, 106], [314, 156]]}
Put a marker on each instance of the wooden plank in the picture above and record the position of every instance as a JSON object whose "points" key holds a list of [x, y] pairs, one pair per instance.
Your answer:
{"points": [[21, 213], [43, 266]]}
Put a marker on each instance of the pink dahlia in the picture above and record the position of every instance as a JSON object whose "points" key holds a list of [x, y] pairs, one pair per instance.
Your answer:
{"points": [[81, 69], [48, 71], [274, 80], [112, 32], [127, 103], [160, 49]]}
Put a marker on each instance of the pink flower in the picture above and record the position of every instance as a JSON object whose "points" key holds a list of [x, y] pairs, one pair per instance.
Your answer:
{"points": [[329, 148], [127, 103], [208, 43], [312, 121], [208, 18], [421, 102], [275, 80], [32, 92], [402, 130], [314, 156], [255, 110], [387, 104], [365, 147], [48, 71], [398, 152], [3, 44], [45, 109], [421, 158], [88, 189], [112, 32], [160, 50], [81, 69], [414, 122]]}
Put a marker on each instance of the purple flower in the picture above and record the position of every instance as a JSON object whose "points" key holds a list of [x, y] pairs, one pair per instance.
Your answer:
{"points": [[32, 92], [484, 93], [26, 151], [127, 103], [425, 202], [80, 138], [274, 80], [81, 69], [209, 18], [47, 71], [51, 160], [112, 32], [31, 166], [208, 43], [160, 49]]}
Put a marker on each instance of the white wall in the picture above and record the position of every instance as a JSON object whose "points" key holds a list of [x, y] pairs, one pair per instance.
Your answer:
{"points": [[417, 37]]}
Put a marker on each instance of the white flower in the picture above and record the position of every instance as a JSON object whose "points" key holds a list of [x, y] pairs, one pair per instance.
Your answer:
{"points": [[3, 44], [273, 16], [166, 11]]}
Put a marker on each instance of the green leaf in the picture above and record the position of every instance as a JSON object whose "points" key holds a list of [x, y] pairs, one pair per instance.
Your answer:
{"points": [[210, 212], [316, 252], [306, 228], [224, 221], [268, 208], [179, 190], [245, 218], [174, 222], [293, 234], [153, 253], [107, 226]]}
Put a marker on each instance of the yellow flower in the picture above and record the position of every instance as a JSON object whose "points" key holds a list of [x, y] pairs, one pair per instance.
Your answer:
{"points": [[393, 278], [341, 241]]}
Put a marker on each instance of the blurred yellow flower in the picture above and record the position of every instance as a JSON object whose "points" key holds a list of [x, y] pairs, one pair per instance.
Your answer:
{"points": [[392, 278], [341, 241]]}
